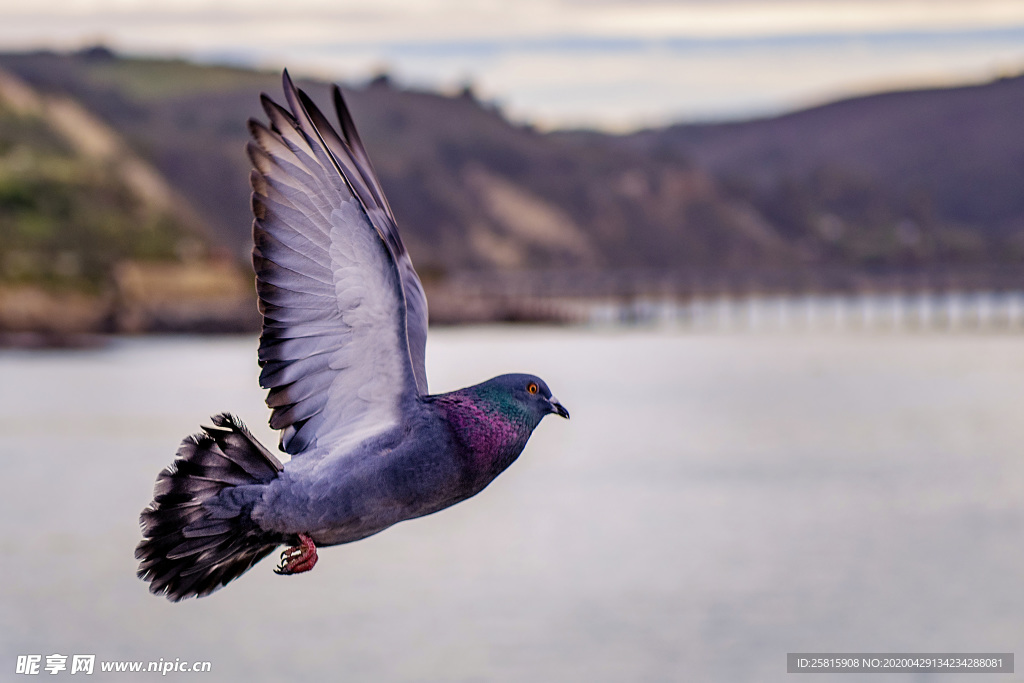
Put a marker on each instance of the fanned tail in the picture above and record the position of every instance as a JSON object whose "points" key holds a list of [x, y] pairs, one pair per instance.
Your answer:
{"points": [[198, 533]]}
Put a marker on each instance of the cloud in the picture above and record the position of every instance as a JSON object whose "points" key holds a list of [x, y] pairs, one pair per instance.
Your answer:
{"points": [[563, 62], [437, 20]]}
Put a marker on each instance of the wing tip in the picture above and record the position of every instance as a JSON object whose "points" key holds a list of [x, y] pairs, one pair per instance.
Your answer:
{"points": [[259, 210], [341, 109], [258, 184], [267, 102], [258, 157]]}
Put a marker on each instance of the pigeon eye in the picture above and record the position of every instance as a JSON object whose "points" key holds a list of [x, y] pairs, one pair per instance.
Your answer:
{"points": [[532, 388]]}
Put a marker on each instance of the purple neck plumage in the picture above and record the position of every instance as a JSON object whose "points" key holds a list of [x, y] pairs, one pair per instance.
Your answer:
{"points": [[493, 434]]}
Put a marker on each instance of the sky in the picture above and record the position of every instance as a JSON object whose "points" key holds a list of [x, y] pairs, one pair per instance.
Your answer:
{"points": [[612, 64]]}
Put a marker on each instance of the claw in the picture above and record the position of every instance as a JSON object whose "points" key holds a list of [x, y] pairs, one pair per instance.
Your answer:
{"points": [[298, 559]]}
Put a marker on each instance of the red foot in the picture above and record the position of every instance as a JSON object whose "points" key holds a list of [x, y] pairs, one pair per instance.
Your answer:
{"points": [[298, 559]]}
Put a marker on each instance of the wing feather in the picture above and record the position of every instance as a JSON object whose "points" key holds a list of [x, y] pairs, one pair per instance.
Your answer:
{"points": [[334, 283], [299, 390], [314, 265], [355, 164], [415, 297]]}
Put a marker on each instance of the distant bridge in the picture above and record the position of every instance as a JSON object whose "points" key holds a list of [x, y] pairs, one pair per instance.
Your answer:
{"points": [[982, 298]]}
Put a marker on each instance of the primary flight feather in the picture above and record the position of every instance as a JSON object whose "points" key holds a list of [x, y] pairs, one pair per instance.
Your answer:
{"points": [[342, 354]]}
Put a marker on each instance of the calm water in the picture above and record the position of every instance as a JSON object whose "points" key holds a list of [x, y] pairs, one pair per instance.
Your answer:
{"points": [[715, 502]]}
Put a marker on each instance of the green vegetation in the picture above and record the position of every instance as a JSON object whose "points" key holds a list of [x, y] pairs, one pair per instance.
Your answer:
{"points": [[147, 80], [67, 220]]}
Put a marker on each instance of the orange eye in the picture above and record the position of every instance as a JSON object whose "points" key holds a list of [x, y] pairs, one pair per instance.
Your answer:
{"points": [[532, 388]]}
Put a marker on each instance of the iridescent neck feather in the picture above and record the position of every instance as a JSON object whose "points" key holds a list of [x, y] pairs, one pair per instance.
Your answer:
{"points": [[492, 426]]}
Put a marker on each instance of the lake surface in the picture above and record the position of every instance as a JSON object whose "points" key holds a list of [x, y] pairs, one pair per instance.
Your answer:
{"points": [[716, 501]]}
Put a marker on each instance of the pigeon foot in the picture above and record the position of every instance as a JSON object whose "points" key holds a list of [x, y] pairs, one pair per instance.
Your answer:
{"points": [[298, 559]]}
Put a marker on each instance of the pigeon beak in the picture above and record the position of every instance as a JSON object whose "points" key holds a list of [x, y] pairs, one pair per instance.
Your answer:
{"points": [[557, 408]]}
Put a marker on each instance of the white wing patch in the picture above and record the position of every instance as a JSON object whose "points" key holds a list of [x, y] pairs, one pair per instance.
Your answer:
{"points": [[371, 359], [334, 348]]}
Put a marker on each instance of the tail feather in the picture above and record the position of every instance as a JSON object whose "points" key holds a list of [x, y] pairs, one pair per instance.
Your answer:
{"points": [[195, 541]]}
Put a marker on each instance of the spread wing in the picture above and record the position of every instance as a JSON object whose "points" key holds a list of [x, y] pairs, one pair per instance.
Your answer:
{"points": [[344, 314]]}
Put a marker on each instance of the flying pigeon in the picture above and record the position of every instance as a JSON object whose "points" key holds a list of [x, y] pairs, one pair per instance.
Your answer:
{"points": [[342, 354]]}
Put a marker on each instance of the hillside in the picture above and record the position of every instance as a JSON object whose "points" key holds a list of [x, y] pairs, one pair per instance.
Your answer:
{"points": [[68, 211], [914, 189], [80, 214], [470, 190], [920, 177]]}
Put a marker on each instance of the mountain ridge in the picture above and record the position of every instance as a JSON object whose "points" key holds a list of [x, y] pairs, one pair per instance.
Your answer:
{"points": [[934, 167], [474, 193], [465, 183]]}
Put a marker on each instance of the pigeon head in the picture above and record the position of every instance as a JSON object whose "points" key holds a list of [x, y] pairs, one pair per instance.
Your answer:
{"points": [[494, 419], [523, 394]]}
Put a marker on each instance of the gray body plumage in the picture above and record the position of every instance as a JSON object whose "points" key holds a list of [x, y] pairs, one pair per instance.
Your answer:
{"points": [[405, 473], [342, 354]]}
